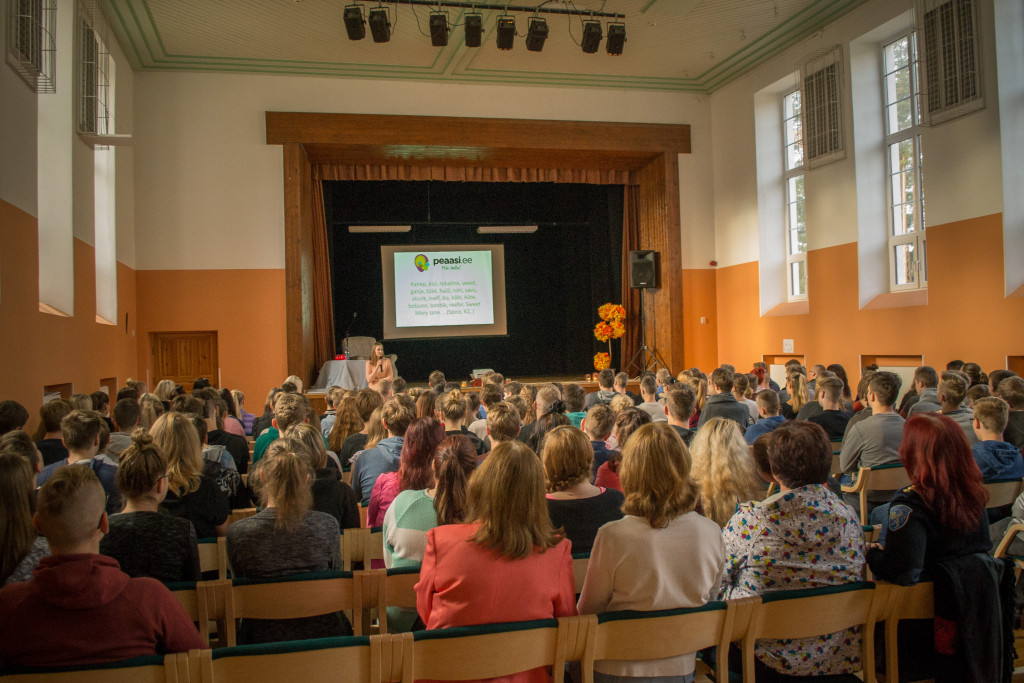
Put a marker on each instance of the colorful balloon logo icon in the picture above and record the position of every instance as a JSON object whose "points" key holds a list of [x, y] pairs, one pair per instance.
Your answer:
{"points": [[422, 262]]}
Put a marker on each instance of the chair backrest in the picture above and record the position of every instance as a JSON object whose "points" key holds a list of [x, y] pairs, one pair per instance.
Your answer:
{"points": [[837, 446], [362, 516], [579, 569], [204, 601], [837, 469], [324, 660], [1002, 492], [362, 545], [905, 602], [292, 597], [241, 513], [213, 556], [359, 347], [817, 611], [891, 477], [497, 649], [346, 474], [153, 669], [1003, 549]]}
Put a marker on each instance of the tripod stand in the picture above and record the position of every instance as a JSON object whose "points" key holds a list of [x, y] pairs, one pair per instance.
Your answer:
{"points": [[644, 351]]}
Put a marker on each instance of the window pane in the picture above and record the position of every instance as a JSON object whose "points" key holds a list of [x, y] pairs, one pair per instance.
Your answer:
{"points": [[905, 261], [904, 115], [798, 278], [897, 55]]}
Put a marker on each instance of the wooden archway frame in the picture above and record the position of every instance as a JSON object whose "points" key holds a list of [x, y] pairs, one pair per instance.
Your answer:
{"points": [[648, 151]]}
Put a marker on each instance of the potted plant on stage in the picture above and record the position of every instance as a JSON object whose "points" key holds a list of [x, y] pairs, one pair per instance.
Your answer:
{"points": [[611, 326]]}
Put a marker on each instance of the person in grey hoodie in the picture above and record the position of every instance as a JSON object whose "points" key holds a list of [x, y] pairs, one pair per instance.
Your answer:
{"points": [[605, 391], [721, 402], [398, 412], [926, 382]]}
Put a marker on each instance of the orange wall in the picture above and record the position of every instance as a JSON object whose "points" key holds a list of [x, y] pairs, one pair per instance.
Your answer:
{"points": [[700, 340], [245, 307], [40, 349], [966, 317]]}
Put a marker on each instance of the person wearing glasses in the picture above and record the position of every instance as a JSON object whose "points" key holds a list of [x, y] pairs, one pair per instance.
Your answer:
{"points": [[144, 541]]}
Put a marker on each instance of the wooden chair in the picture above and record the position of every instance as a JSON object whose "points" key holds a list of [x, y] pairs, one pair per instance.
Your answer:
{"points": [[325, 660], [1002, 492], [362, 516], [812, 612], [579, 569], [213, 556], [1003, 549], [293, 597], [492, 650], [362, 545], [836, 470], [241, 513], [890, 477], [173, 668], [837, 446], [638, 636], [346, 474], [905, 602], [204, 602]]}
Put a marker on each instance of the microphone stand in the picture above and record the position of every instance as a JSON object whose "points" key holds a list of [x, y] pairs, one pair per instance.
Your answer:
{"points": [[347, 328]]}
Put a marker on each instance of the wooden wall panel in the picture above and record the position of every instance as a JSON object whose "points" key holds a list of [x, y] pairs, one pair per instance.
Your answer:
{"points": [[298, 261]]}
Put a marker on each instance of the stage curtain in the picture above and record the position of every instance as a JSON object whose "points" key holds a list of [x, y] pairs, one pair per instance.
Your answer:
{"points": [[630, 297], [323, 305], [472, 174]]}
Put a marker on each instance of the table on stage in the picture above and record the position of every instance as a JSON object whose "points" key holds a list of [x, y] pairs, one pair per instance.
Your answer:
{"points": [[347, 374]]}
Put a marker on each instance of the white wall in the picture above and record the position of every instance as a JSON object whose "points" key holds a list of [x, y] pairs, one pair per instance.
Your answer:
{"points": [[962, 158], [18, 114], [209, 190]]}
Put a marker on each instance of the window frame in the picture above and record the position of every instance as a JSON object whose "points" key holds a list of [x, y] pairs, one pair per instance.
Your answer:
{"points": [[789, 174]]}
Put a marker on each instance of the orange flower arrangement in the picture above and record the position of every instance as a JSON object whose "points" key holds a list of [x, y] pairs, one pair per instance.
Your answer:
{"points": [[611, 326], [602, 360], [603, 331], [610, 312]]}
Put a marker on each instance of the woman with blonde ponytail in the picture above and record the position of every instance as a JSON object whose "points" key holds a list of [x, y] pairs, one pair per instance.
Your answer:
{"points": [[144, 541], [285, 537], [453, 407]]}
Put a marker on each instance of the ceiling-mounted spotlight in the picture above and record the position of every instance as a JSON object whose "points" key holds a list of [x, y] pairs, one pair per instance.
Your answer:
{"points": [[616, 38], [354, 23], [438, 29], [474, 29], [536, 34], [506, 31], [591, 36], [380, 25]]}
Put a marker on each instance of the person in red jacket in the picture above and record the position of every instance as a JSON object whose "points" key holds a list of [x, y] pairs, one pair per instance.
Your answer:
{"points": [[80, 608]]}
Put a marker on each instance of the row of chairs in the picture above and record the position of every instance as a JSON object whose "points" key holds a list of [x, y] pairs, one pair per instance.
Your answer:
{"points": [[480, 652]]}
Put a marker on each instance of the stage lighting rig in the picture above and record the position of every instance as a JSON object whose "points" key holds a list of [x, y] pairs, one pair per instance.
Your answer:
{"points": [[439, 29], [506, 31], [474, 23], [616, 38], [591, 36], [380, 25], [536, 34], [354, 24]]}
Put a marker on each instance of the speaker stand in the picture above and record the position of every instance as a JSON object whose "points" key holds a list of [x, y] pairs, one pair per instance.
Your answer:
{"points": [[648, 358]]}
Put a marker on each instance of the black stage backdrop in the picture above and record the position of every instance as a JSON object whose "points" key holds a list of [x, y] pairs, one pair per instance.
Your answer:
{"points": [[555, 278]]}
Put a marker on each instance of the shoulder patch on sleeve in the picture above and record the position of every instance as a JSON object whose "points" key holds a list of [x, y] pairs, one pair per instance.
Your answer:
{"points": [[898, 516]]}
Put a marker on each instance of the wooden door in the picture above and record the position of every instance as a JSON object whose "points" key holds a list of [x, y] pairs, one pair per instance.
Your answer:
{"points": [[183, 356]]}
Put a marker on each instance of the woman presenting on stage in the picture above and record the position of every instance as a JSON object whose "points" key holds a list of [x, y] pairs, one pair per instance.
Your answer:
{"points": [[378, 367]]}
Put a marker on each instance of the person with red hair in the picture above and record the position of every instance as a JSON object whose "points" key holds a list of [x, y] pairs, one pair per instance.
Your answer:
{"points": [[414, 469], [941, 515]]}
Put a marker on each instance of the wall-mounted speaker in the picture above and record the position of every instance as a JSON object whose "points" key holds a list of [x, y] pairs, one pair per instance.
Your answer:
{"points": [[643, 269]]}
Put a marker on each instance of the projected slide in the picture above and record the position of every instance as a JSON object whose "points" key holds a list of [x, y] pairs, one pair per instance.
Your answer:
{"points": [[443, 290]]}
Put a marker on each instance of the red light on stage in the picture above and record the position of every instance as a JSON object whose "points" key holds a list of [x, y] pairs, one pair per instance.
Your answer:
{"points": [[340, 356]]}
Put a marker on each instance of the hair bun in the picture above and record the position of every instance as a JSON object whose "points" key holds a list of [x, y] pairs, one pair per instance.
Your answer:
{"points": [[141, 438], [556, 407]]}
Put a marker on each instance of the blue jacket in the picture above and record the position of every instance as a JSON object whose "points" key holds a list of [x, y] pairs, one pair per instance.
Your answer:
{"points": [[762, 427], [998, 460], [601, 455], [374, 462], [104, 472]]}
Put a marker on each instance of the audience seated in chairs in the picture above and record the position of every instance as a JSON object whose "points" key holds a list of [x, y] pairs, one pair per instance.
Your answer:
{"points": [[330, 493], [23, 547], [414, 469]]}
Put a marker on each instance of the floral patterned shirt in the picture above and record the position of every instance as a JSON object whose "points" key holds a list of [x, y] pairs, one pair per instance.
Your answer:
{"points": [[803, 538]]}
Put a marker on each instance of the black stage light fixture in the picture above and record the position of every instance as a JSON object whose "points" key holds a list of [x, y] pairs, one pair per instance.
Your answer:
{"points": [[591, 36], [474, 29], [354, 23], [536, 34], [616, 38], [438, 29], [506, 31], [380, 26]]}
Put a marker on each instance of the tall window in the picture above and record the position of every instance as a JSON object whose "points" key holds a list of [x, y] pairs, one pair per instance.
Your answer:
{"points": [[907, 248], [796, 221]]}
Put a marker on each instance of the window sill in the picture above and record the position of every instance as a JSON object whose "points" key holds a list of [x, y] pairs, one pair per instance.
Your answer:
{"points": [[789, 308], [914, 297], [47, 308]]}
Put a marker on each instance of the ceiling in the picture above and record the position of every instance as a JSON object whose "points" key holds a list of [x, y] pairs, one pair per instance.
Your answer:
{"points": [[673, 45]]}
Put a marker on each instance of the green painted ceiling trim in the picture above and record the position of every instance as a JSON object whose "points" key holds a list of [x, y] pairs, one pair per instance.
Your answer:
{"points": [[120, 18]]}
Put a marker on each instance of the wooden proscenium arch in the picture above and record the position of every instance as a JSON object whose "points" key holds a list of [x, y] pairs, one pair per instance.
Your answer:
{"points": [[648, 151]]}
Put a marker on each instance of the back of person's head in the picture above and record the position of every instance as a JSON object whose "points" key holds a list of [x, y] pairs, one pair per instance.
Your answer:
{"points": [[150, 408], [800, 454], [506, 498], [993, 413], [655, 475], [759, 451], [544, 424], [648, 386], [80, 402], [953, 389], [290, 409], [832, 387], [426, 404], [347, 422], [498, 378], [384, 387], [864, 383], [621, 401], [50, 415], [176, 435], [568, 458], [415, 466], [943, 471], [955, 365], [294, 380], [769, 400], [760, 373], [228, 397], [200, 424], [606, 378], [436, 380], [1011, 390], [311, 442], [997, 376], [286, 480], [100, 400], [79, 429], [627, 421], [453, 406], [334, 396], [723, 469], [398, 385], [796, 383], [503, 422], [17, 493], [21, 444], [722, 378], [680, 398], [521, 406], [840, 372], [700, 389], [13, 416], [376, 432], [976, 392], [127, 414], [69, 508], [620, 379], [575, 397], [885, 386], [450, 386], [793, 363], [491, 394], [127, 392], [974, 373], [367, 401], [140, 466], [740, 384], [926, 376], [599, 422], [190, 404], [200, 383], [547, 396], [398, 415], [165, 389], [453, 462], [289, 387]]}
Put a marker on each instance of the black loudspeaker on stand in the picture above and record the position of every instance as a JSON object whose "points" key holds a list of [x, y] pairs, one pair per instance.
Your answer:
{"points": [[643, 274]]}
